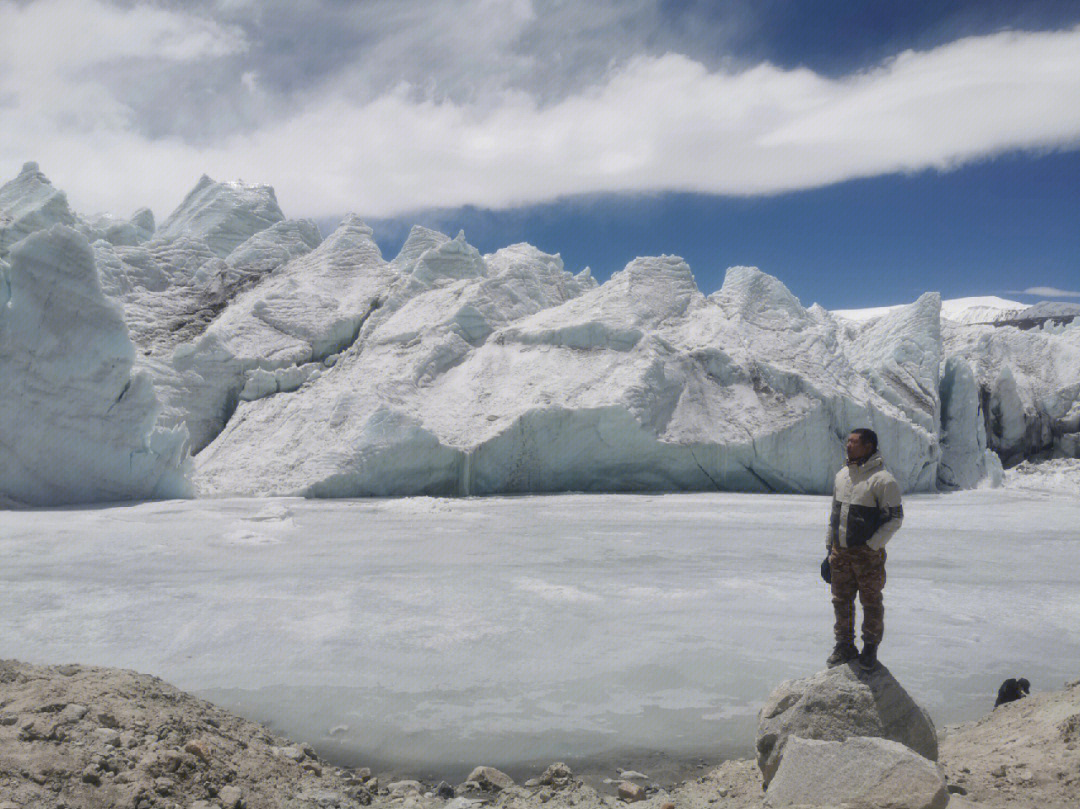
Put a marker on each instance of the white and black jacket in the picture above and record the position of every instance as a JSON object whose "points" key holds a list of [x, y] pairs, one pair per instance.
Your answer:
{"points": [[866, 508]]}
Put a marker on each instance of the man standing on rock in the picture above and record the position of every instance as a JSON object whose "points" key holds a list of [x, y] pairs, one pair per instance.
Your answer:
{"points": [[866, 512]]}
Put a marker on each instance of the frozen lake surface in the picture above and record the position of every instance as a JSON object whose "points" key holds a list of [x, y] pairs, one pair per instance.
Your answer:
{"points": [[437, 634]]}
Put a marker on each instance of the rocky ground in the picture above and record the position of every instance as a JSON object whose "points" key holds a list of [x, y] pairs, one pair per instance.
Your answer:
{"points": [[77, 736], [1024, 753]]}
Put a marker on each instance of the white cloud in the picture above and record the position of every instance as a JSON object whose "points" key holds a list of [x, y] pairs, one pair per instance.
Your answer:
{"points": [[51, 53], [56, 35], [1050, 292], [652, 123]]}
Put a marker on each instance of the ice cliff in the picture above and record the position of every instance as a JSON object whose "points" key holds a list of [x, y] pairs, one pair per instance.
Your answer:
{"points": [[302, 365], [76, 424]]}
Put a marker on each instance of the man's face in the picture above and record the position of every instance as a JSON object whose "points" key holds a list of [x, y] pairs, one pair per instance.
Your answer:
{"points": [[857, 449]]}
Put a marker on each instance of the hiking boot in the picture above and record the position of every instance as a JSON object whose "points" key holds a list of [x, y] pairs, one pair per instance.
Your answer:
{"points": [[868, 656], [842, 653]]}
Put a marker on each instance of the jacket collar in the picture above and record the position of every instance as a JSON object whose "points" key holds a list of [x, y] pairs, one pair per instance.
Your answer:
{"points": [[874, 461]]}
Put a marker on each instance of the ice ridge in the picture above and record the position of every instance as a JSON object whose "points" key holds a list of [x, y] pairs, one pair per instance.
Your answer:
{"points": [[292, 364]]}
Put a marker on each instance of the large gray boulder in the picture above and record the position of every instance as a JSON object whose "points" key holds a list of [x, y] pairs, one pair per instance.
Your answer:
{"points": [[838, 703], [870, 773]]}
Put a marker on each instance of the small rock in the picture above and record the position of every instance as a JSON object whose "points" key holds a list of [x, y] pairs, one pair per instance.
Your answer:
{"points": [[7, 719], [362, 796], [71, 713], [631, 792], [545, 794], [462, 803], [90, 776], [362, 773], [230, 797], [998, 772], [107, 720], [68, 670], [293, 753], [199, 749], [490, 778], [556, 775], [107, 736], [444, 790], [164, 786], [56, 734], [632, 775], [312, 767], [667, 805], [308, 750], [956, 789]]}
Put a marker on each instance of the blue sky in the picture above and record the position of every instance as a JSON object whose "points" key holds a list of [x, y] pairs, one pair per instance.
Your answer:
{"points": [[996, 227], [862, 152]]}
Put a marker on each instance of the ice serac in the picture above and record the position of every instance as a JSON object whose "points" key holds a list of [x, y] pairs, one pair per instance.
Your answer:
{"points": [[368, 424], [419, 241], [1029, 387], [76, 424], [269, 249], [900, 356], [29, 203], [965, 459], [224, 215], [301, 315], [117, 231], [509, 374], [172, 290], [808, 388]]}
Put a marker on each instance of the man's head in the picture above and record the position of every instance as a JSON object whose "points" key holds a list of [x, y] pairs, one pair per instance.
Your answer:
{"points": [[861, 444]]}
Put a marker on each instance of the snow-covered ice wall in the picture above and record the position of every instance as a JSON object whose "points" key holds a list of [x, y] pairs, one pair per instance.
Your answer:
{"points": [[76, 425], [302, 365]]}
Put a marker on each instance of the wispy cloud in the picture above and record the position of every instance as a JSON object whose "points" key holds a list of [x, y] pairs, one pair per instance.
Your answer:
{"points": [[127, 117], [1051, 292]]}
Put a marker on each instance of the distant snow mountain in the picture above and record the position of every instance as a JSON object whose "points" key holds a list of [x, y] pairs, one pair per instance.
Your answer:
{"points": [[966, 311], [291, 364], [987, 310]]}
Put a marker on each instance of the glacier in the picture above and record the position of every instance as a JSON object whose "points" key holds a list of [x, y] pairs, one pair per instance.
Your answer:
{"points": [[268, 360]]}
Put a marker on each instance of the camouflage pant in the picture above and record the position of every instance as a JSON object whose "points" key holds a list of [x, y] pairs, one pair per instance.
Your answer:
{"points": [[858, 570]]}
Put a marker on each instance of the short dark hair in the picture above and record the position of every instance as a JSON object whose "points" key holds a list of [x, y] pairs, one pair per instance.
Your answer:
{"points": [[867, 436]]}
